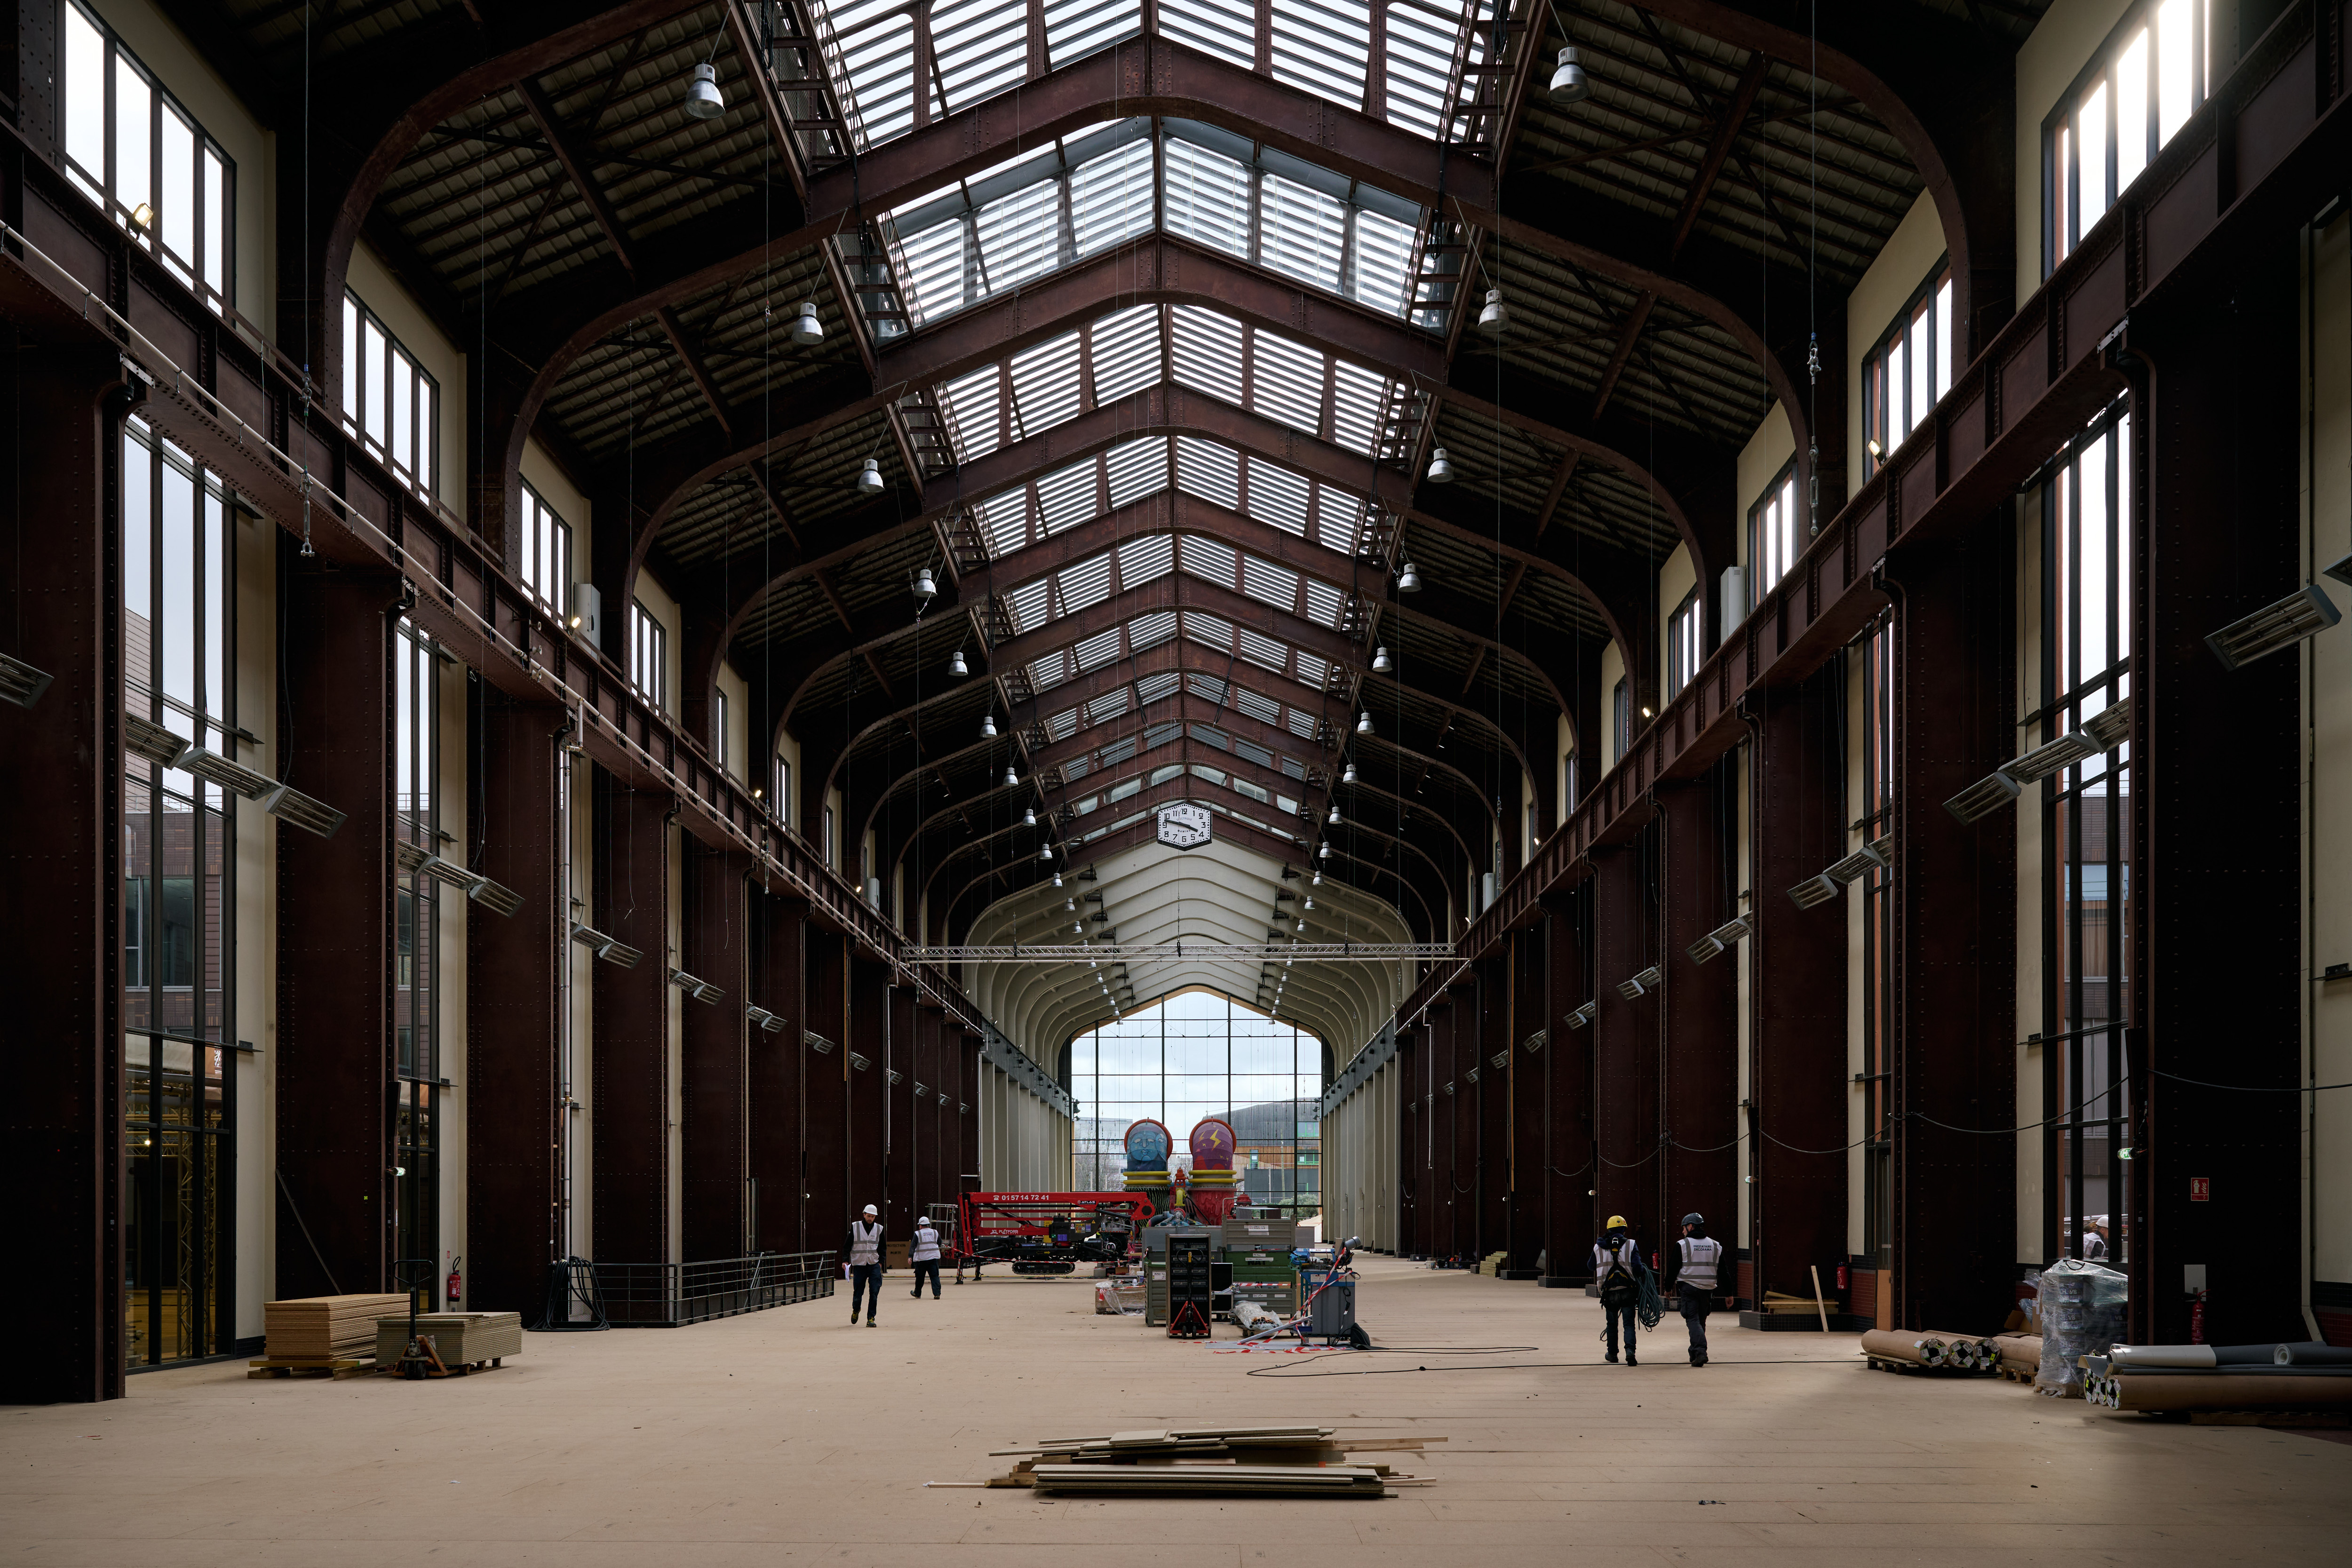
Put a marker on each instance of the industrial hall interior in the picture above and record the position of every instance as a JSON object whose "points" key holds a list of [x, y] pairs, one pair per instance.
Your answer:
{"points": [[1508, 701]]}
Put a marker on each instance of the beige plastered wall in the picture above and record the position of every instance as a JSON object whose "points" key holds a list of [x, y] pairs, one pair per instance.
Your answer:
{"points": [[166, 52], [1912, 251], [737, 692], [2327, 799], [1676, 577], [2047, 64], [1612, 670], [257, 925]]}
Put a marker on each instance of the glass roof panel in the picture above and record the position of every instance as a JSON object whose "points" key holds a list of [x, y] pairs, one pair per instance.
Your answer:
{"points": [[1278, 496], [1225, 29], [1304, 232], [1138, 469], [1286, 382], [1209, 470], [1065, 498], [1125, 351], [979, 48], [1207, 351], [1015, 239], [972, 405], [1324, 47], [1110, 197], [1045, 390]]}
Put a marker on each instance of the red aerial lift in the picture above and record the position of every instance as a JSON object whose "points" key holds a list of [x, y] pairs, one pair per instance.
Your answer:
{"points": [[1046, 1233]]}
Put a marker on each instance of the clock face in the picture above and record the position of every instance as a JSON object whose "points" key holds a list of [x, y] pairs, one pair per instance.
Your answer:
{"points": [[1184, 827]]}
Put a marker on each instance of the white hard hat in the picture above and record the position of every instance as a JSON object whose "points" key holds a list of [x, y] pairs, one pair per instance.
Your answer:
{"points": [[871, 1209]]}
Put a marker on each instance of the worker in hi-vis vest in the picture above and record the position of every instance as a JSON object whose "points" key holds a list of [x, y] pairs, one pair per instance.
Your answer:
{"points": [[925, 1256], [865, 1265], [1617, 1270], [1698, 1275]]}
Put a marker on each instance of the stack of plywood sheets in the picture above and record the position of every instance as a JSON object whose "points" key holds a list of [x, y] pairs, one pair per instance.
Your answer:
{"points": [[324, 1328], [1264, 1461], [1214, 1480]]}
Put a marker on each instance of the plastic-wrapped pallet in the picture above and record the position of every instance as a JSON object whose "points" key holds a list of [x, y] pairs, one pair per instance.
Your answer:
{"points": [[2081, 1314]]}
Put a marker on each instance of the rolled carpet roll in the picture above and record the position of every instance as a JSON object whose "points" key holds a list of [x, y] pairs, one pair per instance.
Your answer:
{"points": [[1886, 1344], [2229, 1391], [1941, 1347], [2125, 1357], [2312, 1352], [2019, 1353]]}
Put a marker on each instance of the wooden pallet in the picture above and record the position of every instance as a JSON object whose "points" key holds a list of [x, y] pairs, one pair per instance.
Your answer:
{"points": [[455, 1369], [311, 1366]]}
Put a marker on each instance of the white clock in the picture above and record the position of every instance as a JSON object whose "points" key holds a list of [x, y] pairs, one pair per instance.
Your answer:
{"points": [[1184, 827]]}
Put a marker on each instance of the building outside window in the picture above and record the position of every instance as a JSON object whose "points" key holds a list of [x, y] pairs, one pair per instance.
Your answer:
{"points": [[179, 573], [782, 803], [1621, 712], [389, 403], [719, 729], [1193, 1056], [1772, 535], [136, 152], [2087, 553], [416, 953], [1682, 628], [648, 656], [546, 554], [1909, 369], [2143, 88], [832, 849]]}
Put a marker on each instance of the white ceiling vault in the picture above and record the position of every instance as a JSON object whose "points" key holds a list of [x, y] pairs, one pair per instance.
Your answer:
{"points": [[1225, 891]]}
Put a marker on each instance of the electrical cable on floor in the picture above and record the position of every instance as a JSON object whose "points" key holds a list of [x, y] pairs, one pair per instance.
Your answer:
{"points": [[1300, 1368]]}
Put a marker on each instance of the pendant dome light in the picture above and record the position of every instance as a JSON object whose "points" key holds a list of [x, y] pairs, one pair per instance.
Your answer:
{"points": [[1569, 82], [922, 586], [1440, 468], [987, 726], [1364, 723], [1310, 901], [1010, 778], [1496, 315], [1350, 776], [957, 669], [1029, 816], [1409, 580], [1381, 663], [702, 100], [1045, 852], [1334, 818], [869, 478], [1057, 879], [1324, 853], [807, 330]]}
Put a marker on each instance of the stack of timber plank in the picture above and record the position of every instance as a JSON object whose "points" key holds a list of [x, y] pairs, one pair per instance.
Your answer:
{"points": [[460, 1339], [1221, 1461], [324, 1328]]}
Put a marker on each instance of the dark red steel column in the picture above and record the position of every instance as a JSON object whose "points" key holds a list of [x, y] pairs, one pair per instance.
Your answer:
{"points": [[1797, 1086], [1625, 1039], [714, 1058], [2216, 860], [631, 1158], [778, 1077], [967, 1112], [1455, 1177], [1528, 1188], [1567, 1178], [867, 1102], [896, 1074], [61, 864], [1955, 1063], [517, 972], [827, 1112], [1698, 1073], [1494, 1148], [334, 1067], [1413, 1139]]}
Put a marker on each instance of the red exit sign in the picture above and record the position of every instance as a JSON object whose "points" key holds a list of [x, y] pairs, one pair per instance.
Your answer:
{"points": [[2201, 1189]]}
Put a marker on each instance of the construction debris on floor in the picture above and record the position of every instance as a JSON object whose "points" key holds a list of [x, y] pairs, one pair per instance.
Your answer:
{"points": [[1218, 1461]]}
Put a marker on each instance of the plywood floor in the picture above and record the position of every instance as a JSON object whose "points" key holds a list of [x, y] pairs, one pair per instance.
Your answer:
{"points": [[790, 1437]]}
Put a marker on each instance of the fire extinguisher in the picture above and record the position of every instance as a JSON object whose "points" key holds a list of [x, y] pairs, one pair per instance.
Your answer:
{"points": [[457, 1284], [1845, 1277]]}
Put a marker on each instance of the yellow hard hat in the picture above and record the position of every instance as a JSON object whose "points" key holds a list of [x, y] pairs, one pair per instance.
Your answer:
{"points": [[1616, 1222]]}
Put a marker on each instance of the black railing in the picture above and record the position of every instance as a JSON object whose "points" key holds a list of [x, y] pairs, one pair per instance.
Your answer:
{"points": [[666, 1295]]}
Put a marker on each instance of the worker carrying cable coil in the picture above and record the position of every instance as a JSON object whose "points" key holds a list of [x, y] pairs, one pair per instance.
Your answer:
{"points": [[1627, 1289]]}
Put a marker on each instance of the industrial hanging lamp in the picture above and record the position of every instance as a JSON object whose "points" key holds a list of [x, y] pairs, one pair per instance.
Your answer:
{"points": [[869, 478], [1440, 468], [1569, 82], [1409, 580], [921, 586], [1350, 776], [987, 726], [1029, 816], [1010, 778], [807, 330], [1381, 663], [957, 669], [702, 100], [1333, 819], [1364, 723], [1045, 852], [1496, 315]]}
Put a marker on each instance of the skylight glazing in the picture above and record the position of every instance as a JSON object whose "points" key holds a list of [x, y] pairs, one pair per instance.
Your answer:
{"points": [[1024, 217]]}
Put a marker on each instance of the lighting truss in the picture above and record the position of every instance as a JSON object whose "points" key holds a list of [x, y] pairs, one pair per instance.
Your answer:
{"points": [[1583, 1015], [1156, 953], [1500, 1060], [414, 859], [20, 683], [2101, 732], [1535, 1041], [1472, 1076], [2304, 612], [816, 1042], [1449, 1086], [896, 1076], [605, 947], [2111, 725], [860, 1063], [2053, 757], [922, 1091], [761, 1019], [1979, 800], [701, 990]]}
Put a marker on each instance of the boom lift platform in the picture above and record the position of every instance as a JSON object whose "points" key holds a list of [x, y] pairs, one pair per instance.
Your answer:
{"points": [[1046, 1233]]}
